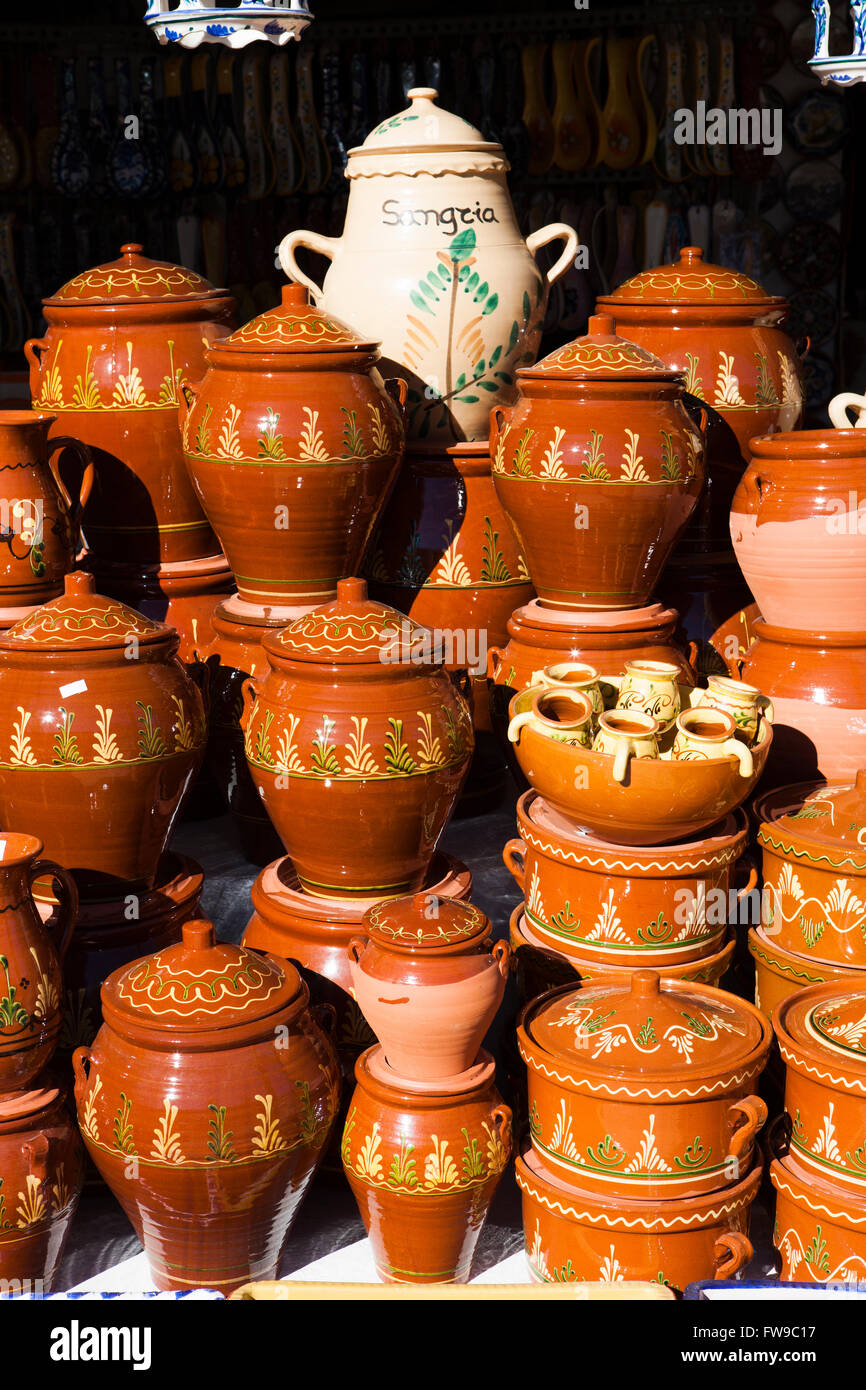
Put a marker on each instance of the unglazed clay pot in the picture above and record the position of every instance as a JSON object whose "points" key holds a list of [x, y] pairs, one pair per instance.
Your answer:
{"points": [[432, 261], [292, 417], [39, 521], [428, 982], [574, 1234], [820, 1227], [780, 973], [599, 466], [184, 596], [187, 1074], [358, 742], [797, 531], [41, 1166], [102, 732], [423, 1161], [120, 339], [30, 960], [611, 903], [644, 1088]]}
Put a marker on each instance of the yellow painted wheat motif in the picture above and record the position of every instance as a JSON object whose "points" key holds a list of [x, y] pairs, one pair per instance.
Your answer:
{"points": [[551, 463], [632, 461], [90, 1125], [31, 1204], [183, 731], [369, 1163], [21, 750], [288, 758], [523, 570], [429, 748], [497, 1154], [727, 385], [381, 443], [47, 993], [166, 1140], [499, 453], [129, 389], [266, 1135], [52, 383], [60, 1189], [359, 754], [452, 567], [105, 748], [791, 393], [229, 444], [312, 442], [440, 1170]]}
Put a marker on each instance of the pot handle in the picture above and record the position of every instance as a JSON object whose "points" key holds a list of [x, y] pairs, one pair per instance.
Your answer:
{"points": [[465, 685], [32, 348], [63, 441], [326, 1017], [732, 1252], [777, 1139], [502, 1118], [757, 486], [249, 694], [555, 231], [514, 859], [398, 389], [839, 407], [494, 661], [747, 862], [802, 346], [356, 948], [743, 1133], [325, 245], [82, 1061], [765, 705], [185, 401], [500, 419], [64, 922], [735, 748], [38, 1152], [501, 953]]}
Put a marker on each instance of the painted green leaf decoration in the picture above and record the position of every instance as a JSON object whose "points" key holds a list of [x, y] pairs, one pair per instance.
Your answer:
{"points": [[607, 1154], [495, 355], [513, 336], [463, 245], [491, 305], [488, 385], [469, 400], [419, 302], [397, 756], [473, 1162], [445, 275], [471, 282], [482, 292]]}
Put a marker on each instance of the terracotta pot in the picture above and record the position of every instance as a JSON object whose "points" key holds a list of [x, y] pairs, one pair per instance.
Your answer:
{"points": [[41, 1164], [184, 596], [39, 521], [120, 339], [30, 960], [293, 417], [667, 905], [820, 1227], [540, 968], [432, 261], [597, 505], [226, 1125], [644, 1087], [796, 529], [423, 1163], [104, 731], [660, 801], [572, 1234], [780, 973], [358, 742], [428, 982]]}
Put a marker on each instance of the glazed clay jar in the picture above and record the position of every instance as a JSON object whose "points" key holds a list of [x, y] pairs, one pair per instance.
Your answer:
{"points": [[101, 732], [797, 531], [820, 1227], [121, 337], [665, 905], [428, 982], [188, 1077], [41, 1167], [432, 261], [293, 418], [599, 466], [780, 973], [184, 596], [644, 1087], [358, 742], [40, 520], [423, 1162]]}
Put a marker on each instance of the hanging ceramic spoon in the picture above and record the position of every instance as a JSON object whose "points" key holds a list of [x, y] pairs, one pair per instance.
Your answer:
{"points": [[668, 160], [620, 126], [536, 114], [70, 166], [181, 159], [316, 160], [719, 155], [260, 160], [641, 54], [699, 225], [655, 224], [696, 155], [587, 61], [285, 165], [570, 127], [204, 137], [231, 146]]}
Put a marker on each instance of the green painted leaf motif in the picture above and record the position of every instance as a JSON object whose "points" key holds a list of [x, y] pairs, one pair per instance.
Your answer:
{"points": [[445, 274], [323, 758], [671, 470], [469, 400], [420, 302], [460, 382], [535, 1121], [527, 309], [402, 1170], [512, 337], [857, 1159], [11, 1010], [425, 289], [122, 1126], [647, 1035], [150, 741], [564, 920], [597, 1021], [520, 463], [765, 391], [816, 1255], [262, 746], [219, 1140], [491, 306], [607, 1154], [65, 742], [488, 385], [473, 1161], [797, 1129], [695, 1156], [494, 570], [482, 292], [37, 560], [202, 433], [346, 1141], [309, 1119], [353, 437], [811, 930], [463, 245], [703, 1030], [398, 759], [495, 356], [657, 930], [564, 1274]]}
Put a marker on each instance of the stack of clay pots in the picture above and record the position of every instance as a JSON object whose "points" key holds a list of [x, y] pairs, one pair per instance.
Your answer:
{"points": [[426, 1137], [641, 1161]]}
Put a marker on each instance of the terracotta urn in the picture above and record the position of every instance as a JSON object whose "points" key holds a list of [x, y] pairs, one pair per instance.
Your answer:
{"points": [[797, 530], [184, 596], [121, 337], [423, 1161], [597, 504], [31, 955], [293, 417], [432, 261], [103, 730], [189, 1077], [667, 904], [573, 1234], [39, 520], [428, 981], [780, 973], [358, 742], [644, 1088], [41, 1166]]}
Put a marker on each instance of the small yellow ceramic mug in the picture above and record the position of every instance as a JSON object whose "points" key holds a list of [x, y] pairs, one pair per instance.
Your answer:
{"points": [[626, 734], [744, 703], [563, 715], [651, 687], [573, 675], [705, 732]]}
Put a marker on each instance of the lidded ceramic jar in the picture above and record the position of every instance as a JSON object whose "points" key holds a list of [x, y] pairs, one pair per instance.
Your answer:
{"points": [[432, 262], [121, 337], [820, 1227], [599, 467], [644, 1086], [358, 741], [428, 982], [210, 1071], [293, 418], [41, 1170], [101, 731]]}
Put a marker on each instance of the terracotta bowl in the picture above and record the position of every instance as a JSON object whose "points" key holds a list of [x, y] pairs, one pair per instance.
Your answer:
{"points": [[665, 905], [780, 973], [659, 802], [572, 1234], [820, 1228]]}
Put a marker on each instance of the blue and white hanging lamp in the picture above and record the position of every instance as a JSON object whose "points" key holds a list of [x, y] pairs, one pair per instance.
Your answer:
{"points": [[192, 22]]}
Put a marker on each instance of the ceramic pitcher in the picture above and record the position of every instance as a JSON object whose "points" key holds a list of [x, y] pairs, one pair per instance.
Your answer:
{"points": [[432, 264]]}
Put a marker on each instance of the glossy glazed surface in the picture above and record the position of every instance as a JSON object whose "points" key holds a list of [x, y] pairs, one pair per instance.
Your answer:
{"points": [[41, 1164], [820, 1228], [780, 973], [40, 520]]}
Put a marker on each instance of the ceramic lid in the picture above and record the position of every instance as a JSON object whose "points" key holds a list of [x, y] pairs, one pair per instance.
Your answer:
{"points": [[425, 127], [601, 355], [135, 279], [295, 326], [82, 620], [200, 985], [834, 1021], [426, 922], [353, 630], [828, 828], [25, 1105], [645, 1027], [690, 281]]}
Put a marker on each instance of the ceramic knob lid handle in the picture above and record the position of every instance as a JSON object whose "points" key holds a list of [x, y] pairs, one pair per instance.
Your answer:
{"points": [[601, 326], [691, 255], [352, 590], [78, 583], [295, 295], [645, 984], [199, 936], [423, 94], [131, 248]]}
